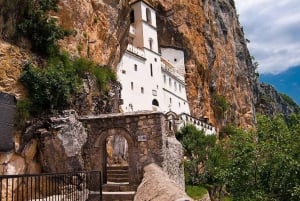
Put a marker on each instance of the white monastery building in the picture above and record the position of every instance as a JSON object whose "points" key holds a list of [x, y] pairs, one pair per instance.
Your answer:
{"points": [[152, 77]]}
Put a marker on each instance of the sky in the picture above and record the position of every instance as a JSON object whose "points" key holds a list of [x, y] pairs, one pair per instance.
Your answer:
{"points": [[273, 28]]}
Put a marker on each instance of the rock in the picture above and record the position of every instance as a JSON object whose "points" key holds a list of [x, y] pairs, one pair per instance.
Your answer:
{"points": [[157, 186], [271, 103], [60, 148]]}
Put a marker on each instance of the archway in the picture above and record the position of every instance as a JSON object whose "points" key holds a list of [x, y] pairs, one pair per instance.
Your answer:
{"points": [[116, 159], [102, 143]]}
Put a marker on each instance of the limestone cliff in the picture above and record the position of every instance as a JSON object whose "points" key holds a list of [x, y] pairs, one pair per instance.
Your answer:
{"points": [[218, 63], [217, 59], [271, 103]]}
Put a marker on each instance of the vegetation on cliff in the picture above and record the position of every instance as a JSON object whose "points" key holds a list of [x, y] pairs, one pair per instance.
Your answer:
{"points": [[254, 165]]}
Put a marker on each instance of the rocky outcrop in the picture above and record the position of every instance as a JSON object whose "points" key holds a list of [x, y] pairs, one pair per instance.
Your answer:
{"points": [[271, 103], [101, 28], [217, 58], [157, 186], [61, 144]]}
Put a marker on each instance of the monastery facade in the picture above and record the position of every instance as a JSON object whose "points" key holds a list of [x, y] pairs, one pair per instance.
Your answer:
{"points": [[152, 77]]}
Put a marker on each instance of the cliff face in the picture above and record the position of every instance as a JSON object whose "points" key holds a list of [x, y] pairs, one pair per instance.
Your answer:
{"points": [[100, 28], [217, 59], [218, 63], [271, 103]]}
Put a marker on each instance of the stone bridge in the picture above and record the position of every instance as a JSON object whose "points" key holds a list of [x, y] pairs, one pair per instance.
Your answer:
{"points": [[149, 138]]}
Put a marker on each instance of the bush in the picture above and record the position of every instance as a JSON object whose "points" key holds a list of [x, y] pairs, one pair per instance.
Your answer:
{"points": [[40, 28], [220, 105], [23, 108], [48, 88], [195, 192], [52, 87]]}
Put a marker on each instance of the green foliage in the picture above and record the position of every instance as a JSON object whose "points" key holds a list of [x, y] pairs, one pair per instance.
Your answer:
{"points": [[265, 164], [290, 102], [49, 88], [261, 165], [104, 74], [205, 159], [52, 87], [220, 105], [22, 113], [195, 192], [41, 29]]}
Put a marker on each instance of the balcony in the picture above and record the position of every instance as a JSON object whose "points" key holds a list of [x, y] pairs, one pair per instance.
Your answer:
{"points": [[136, 51]]}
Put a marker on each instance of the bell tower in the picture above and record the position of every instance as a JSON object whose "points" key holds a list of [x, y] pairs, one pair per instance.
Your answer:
{"points": [[143, 28]]}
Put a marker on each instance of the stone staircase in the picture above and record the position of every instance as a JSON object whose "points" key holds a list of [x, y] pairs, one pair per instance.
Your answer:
{"points": [[117, 187]]}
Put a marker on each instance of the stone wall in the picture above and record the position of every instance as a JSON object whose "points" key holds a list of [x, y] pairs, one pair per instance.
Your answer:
{"points": [[172, 165], [145, 134]]}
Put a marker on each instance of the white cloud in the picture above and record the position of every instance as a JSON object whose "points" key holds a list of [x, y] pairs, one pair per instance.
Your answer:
{"points": [[273, 27]]}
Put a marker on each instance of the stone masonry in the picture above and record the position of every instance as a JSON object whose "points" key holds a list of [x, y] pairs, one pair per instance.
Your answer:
{"points": [[148, 142]]}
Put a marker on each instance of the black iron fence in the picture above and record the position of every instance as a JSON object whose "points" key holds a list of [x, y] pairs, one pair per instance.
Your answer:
{"points": [[79, 186]]}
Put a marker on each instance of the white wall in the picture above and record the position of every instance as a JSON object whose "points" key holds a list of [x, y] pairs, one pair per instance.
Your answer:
{"points": [[175, 57]]}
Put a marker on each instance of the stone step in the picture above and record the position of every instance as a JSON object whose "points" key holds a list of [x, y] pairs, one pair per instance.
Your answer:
{"points": [[118, 187], [118, 180], [117, 167], [117, 171], [118, 196], [117, 175]]}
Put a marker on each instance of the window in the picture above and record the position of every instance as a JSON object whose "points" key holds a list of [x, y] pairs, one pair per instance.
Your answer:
{"points": [[175, 59], [124, 71], [148, 15], [151, 70], [132, 17], [179, 87], [175, 86], [170, 82], [155, 102], [155, 59], [135, 67], [170, 100], [131, 85], [179, 104], [150, 43], [165, 79], [142, 90]]}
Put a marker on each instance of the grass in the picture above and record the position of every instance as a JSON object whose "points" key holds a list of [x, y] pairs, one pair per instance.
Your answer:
{"points": [[195, 192]]}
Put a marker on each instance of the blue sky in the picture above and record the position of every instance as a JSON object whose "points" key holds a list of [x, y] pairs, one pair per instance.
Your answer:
{"points": [[273, 28]]}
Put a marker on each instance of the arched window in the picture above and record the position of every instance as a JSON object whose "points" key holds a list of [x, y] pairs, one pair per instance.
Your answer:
{"points": [[148, 15], [132, 17], [150, 43], [155, 102]]}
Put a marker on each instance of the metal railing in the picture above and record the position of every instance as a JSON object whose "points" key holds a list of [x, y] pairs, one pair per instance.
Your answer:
{"points": [[79, 186]]}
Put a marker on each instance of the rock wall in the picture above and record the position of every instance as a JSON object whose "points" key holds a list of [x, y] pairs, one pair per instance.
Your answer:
{"points": [[101, 28], [157, 186], [173, 158], [271, 103], [217, 58]]}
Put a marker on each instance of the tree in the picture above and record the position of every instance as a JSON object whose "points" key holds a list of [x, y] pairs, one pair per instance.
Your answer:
{"points": [[205, 160]]}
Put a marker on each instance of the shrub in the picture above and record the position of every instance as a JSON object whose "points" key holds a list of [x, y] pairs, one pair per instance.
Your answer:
{"points": [[220, 104], [51, 87], [40, 28], [23, 108]]}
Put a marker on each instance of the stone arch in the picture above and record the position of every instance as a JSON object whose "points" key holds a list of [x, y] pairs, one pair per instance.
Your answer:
{"points": [[172, 119], [132, 152]]}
